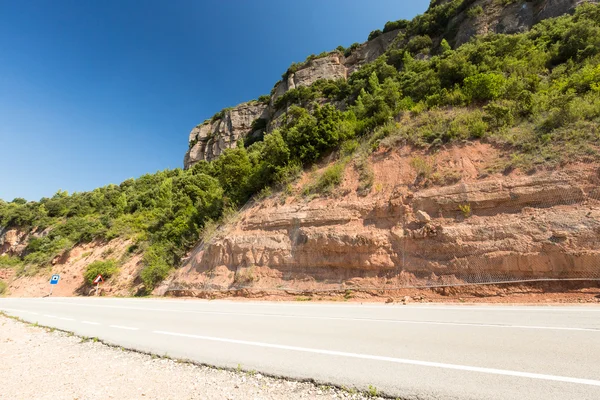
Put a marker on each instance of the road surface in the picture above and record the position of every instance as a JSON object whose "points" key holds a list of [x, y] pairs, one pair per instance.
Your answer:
{"points": [[412, 351]]}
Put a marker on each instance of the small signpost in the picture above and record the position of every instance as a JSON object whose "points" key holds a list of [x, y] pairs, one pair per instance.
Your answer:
{"points": [[98, 281], [53, 281]]}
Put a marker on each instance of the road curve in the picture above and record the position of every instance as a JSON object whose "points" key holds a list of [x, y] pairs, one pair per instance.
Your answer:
{"points": [[412, 352]]}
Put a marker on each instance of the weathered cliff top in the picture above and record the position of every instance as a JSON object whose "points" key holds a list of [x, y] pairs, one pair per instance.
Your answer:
{"points": [[454, 20]]}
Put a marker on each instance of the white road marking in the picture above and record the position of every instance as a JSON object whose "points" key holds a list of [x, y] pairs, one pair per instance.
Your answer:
{"points": [[90, 323], [458, 367], [50, 316], [67, 319], [343, 318], [124, 327]]}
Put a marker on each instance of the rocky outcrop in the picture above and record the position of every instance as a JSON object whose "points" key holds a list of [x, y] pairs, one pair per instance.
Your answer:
{"points": [[541, 226], [330, 67], [335, 66], [12, 241], [369, 51], [518, 16], [209, 139]]}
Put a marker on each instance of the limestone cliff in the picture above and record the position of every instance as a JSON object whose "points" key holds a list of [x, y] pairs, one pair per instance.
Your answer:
{"points": [[510, 17], [208, 140]]}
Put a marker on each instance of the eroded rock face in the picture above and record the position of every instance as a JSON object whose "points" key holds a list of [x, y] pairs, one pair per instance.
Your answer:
{"points": [[546, 225], [330, 67], [369, 51], [211, 138], [517, 17], [12, 241]]}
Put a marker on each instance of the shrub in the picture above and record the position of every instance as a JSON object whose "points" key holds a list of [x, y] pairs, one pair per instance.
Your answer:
{"points": [[221, 114], [156, 266], [350, 49], [465, 209], [348, 147], [3, 287], [265, 99], [474, 11], [418, 43], [485, 86], [329, 179], [10, 262], [153, 274], [375, 34], [467, 126], [393, 25], [499, 114], [106, 268], [422, 167]]}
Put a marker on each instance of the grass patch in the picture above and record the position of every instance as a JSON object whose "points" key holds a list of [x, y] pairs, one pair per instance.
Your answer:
{"points": [[373, 392], [422, 166], [366, 176], [330, 179], [7, 262], [3, 287]]}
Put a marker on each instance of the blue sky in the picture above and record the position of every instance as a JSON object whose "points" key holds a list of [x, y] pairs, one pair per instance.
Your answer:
{"points": [[95, 92]]}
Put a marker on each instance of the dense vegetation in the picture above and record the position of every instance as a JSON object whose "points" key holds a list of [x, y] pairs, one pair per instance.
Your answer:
{"points": [[537, 92]]}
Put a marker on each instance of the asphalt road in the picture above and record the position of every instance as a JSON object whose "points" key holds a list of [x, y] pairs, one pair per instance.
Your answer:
{"points": [[412, 352]]}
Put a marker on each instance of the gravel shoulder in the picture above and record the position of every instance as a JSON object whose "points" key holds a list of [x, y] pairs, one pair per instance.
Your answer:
{"points": [[40, 363]]}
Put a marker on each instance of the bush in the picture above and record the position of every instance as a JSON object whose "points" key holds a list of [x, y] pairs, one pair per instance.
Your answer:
{"points": [[106, 268], [329, 179], [465, 209], [422, 167], [154, 274], [485, 86], [499, 114], [474, 11], [265, 99], [393, 25], [350, 49], [375, 34], [3, 287], [419, 43], [156, 261], [10, 262]]}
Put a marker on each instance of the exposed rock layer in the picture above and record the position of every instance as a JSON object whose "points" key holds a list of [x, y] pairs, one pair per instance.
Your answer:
{"points": [[501, 228]]}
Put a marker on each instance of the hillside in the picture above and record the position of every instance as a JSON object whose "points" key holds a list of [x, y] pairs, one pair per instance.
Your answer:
{"points": [[461, 146]]}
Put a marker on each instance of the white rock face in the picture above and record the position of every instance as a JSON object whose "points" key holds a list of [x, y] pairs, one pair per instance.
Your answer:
{"points": [[211, 138]]}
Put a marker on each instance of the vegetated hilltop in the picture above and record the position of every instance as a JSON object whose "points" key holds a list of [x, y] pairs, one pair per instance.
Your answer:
{"points": [[439, 151]]}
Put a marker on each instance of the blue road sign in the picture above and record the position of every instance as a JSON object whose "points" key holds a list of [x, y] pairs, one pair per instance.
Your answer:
{"points": [[54, 280]]}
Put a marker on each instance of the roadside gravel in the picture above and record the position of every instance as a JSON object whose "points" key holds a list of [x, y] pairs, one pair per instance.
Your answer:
{"points": [[37, 363]]}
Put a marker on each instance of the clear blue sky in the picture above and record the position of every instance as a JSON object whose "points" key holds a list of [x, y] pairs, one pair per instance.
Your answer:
{"points": [[95, 92]]}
